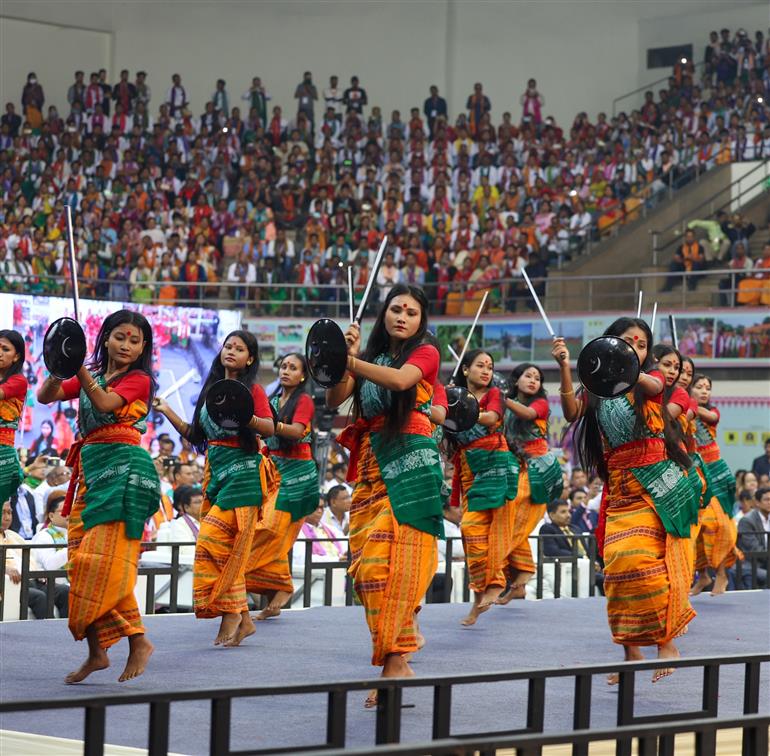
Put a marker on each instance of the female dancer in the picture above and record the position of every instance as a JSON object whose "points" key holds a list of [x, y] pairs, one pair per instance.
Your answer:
{"points": [[526, 431], [13, 394], [117, 490], [647, 506], [715, 547], [237, 482], [397, 506], [269, 571], [486, 476]]}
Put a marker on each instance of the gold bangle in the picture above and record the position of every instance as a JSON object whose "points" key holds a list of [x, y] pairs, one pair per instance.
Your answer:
{"points": [[279, 427], [91, 386], [566, 393], [352, 367]]}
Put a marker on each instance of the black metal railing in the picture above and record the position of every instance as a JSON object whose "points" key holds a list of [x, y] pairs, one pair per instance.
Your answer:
{"points": [[390, 691], [555, 576]]}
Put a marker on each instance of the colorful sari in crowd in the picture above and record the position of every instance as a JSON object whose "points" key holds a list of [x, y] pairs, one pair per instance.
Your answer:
{"points": [[236, 486], [269, 569], [487, 483], [716, 542], [543, 482], [113, 490], [396, 513], [647, 512], [11, 406]]}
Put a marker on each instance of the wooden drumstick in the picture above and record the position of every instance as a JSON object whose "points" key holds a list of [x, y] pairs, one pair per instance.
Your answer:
{"points": [[73, 264], [470, 335], [372, 278]]}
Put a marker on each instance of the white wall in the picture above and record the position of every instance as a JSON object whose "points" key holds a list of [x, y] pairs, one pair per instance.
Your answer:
{"points": [[582, 53], [54, 53]]}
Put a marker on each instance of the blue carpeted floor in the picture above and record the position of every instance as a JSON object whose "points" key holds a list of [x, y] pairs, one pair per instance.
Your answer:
{"points": [[326, 644]]}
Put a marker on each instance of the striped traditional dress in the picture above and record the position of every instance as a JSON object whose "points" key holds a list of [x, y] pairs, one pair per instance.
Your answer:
{"points": [[716, 542], [236, 486], [396, 513], [486, 483], [543, 482], [11, 406], [282, 516], [648, 509], [113, 490]]}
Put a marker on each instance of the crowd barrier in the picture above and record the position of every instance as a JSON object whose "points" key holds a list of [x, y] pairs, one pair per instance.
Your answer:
{"points": [[655, 733], [461, 299], [166, 586]]}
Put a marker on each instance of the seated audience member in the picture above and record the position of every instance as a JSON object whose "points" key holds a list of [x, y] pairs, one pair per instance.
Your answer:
{"points": [[327, 546], [54, 532], [339, 473], [753, 532], [337, 514], [561, 534], [57, 476], [746, 503], [761, 465], [688, 257], [452, 517], [183, 528], [582, 518]]}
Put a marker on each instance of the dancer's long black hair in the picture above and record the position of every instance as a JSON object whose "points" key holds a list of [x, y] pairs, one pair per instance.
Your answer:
{"points": [[515, 429], [588, 437], [286, 413], [402, 402], [17, 342], [672, 430], [248, 377], [100, 359]]}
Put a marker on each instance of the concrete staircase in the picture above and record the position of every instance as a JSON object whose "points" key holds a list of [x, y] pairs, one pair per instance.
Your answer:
{"points": [[630, 252]]}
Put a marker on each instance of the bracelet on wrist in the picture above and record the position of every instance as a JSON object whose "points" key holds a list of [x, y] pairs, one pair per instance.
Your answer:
{"points": [[566, 393]]}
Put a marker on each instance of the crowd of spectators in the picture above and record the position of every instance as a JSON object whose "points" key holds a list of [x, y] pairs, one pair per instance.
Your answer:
{"points": [[248, 191]]}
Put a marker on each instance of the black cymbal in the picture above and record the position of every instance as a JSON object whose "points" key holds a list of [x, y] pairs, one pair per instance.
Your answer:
{"points": [[64, 348], [608, 367], [230, 404], [326, 352], [462, 409]]}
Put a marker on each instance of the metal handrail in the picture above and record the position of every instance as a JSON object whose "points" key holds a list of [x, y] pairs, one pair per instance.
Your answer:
{"points": [[589, 299], [644, 88]]}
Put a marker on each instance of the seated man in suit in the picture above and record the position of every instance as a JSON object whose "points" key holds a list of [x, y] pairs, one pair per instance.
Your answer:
{"points": [[564, 539], [561, 532], [753, 532]]}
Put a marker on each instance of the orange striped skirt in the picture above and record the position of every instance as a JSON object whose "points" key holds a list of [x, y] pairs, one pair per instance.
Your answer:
{"points": [[392, 564], [487, 536], [526, 516], [102, 570], [647, 572], [715, 544]]}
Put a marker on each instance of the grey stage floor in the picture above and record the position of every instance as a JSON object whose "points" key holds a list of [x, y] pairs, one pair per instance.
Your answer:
{"points": [[325, 644]]}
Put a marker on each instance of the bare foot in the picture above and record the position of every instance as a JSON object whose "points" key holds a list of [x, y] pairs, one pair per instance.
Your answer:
{"points": [[227, 628], [513, 592], [140, 652], [666, 651], [245, 629], [720, 582], [273, 609], [490, 596], [704, 581], [395, 666], [631, 653], [95, 661], [476, 610]]}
